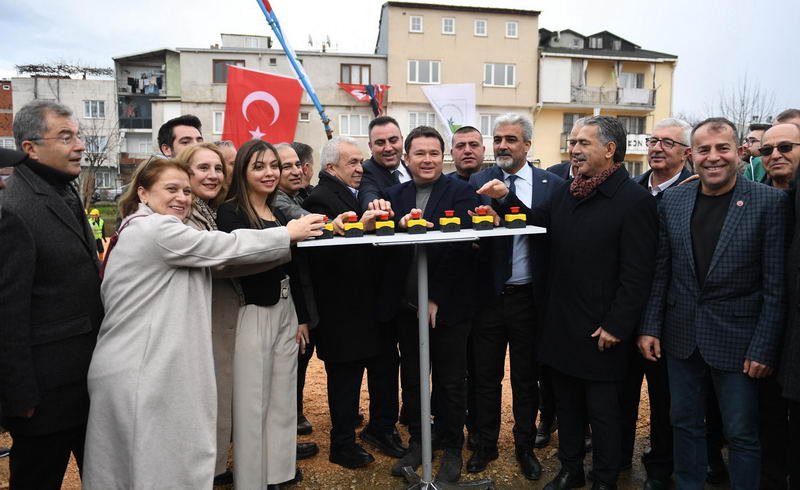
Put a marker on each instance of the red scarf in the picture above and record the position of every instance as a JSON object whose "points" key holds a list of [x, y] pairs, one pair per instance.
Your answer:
{"points": [[582, 187]]}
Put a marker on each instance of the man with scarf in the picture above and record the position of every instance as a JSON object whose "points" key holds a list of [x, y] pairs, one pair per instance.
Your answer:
{"points": [[49, 299], [604, 227]]}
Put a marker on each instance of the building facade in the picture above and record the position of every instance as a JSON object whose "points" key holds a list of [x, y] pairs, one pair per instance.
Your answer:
{"points": [[601, 74]]}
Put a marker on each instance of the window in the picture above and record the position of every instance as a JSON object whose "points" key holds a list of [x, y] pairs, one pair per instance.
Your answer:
{"points": [[304, 116], [632, 125], [569, 120], [415, 23], [595, 43], [448, 25], [358, 74], [423, 71], [499, 74], [94, 109], [480, 27], [487, 124], [144, 147], [616, 45], [7, 143], [633, 168], [273, 61], [95, 144], [218, 121], [353, 125], [512, 28], [103, 179], [631, 80], [220, 68], [421, 119]]}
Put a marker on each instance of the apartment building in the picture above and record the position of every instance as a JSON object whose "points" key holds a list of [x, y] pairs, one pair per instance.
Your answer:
{"points": [[156, 86], [492, 48], [601, 74]]}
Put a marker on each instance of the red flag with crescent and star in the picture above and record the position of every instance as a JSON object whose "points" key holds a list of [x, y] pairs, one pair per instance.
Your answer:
{"points": [[261, 106]]}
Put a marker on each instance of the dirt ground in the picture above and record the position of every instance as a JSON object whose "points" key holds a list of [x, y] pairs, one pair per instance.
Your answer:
{"points": [[319, 473]]}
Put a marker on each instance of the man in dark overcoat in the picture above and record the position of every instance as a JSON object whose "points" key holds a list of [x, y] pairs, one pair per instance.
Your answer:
{"points": [[604, 227], [49, 299]]}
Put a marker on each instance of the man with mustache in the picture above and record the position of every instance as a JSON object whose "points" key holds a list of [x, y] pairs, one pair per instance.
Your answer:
{"points": [[467, 151], [717, 305], [288, 198], [513, 277], [667, 152]]}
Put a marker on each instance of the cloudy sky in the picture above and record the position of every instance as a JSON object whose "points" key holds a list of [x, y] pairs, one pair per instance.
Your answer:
{"points": [[718, 43]]}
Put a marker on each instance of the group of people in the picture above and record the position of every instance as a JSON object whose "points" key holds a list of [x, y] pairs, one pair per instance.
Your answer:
{"points": [[202, 317]]}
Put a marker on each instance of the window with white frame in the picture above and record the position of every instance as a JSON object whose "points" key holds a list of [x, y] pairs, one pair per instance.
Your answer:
{"points": [[358, 74], [631, 80], [353, 125], [103, 179], [499, 74], [487, 124], [218, 122], [304, 116], [95, 144], [595, 43], [416, 119], [7, 143], [94, 109], [143, 147], [415, 23], [481, 27], [448, 25], [423, 71], [512, 28]]}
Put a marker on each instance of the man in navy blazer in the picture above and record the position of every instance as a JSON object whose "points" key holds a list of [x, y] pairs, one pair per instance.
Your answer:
{"points": [[513, 278], [385, 168], [717, 304], [451, 298]]}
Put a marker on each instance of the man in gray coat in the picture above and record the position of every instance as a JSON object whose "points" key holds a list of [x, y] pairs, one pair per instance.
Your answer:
{"points": [[49, 299]]}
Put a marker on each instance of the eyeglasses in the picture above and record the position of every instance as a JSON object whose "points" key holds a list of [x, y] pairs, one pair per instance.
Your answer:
{"points": [[67, 139], [784, 147], [749, 141], [666, 143]]}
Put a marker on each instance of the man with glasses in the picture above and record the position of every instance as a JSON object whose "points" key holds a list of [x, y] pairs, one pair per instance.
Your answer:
{"points": [[49, 299], [780, 155], [753, 166]]}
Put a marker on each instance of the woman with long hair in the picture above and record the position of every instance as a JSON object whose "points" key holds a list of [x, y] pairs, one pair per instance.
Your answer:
{"points": [[265, 357], [151, 379]]}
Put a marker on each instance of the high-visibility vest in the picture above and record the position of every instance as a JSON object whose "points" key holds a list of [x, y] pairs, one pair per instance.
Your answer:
{"points": [[97, 228]]}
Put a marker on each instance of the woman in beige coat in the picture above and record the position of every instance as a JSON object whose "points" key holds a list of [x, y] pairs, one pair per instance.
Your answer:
{"points": [[151, 381]]}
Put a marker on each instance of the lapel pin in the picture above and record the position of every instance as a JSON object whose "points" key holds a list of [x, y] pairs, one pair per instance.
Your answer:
{"points": [[544, 181], [740, 203]]}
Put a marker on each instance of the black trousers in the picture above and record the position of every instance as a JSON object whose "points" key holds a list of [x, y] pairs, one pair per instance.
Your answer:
{"points": [[547, 399], [658, 462], [715, 438], [507, 320], [436, 393], [448, 349], [779, 432], [302, 367], [575, 398], [344, 390], [39, 462]]}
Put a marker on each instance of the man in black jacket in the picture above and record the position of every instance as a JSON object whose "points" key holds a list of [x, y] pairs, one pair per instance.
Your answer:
{"points": [[348, 340], [49, 299], [385, 168]]}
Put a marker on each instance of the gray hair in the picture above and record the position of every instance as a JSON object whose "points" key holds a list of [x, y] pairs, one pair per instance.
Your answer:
{"points": [[225, 143], [610, 129], [330, 150], [29, 122], [281, 146], [519, 120], [672, 122]]}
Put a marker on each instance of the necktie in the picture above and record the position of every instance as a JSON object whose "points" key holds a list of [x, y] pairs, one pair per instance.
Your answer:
{"points": [[396, 176], [509, 241]]}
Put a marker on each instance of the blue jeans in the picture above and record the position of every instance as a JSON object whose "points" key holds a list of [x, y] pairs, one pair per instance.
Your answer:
{"points": [[738, 402]]}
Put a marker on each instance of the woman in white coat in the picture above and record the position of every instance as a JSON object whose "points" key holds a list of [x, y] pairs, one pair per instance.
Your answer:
{"points": [[151, 381]]}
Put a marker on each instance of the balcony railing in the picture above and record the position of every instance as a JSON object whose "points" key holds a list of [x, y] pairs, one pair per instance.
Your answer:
{"points": [[641, 97]]}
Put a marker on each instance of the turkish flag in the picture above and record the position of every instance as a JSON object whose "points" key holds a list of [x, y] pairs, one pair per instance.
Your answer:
{"points": [[261, 106]]}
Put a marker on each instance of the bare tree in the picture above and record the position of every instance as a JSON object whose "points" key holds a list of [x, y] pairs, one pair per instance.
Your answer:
{"points": [[746, 103], [102, 140]]}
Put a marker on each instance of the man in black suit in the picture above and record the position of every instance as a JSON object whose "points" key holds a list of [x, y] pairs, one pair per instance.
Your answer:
{"points": [[604, 226], [347, 338], [451, 298], [569, 169], [513, 275], [49, 299], [385, 168], [668, 149]]}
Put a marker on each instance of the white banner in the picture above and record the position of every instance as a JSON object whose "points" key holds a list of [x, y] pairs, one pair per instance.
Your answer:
{"points": [[454, 105]]}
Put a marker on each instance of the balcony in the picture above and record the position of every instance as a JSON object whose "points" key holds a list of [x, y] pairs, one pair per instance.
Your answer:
{"points": [[135, 112], [612, 96]]}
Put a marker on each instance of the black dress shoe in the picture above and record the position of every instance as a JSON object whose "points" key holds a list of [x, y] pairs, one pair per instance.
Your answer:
{"points": [[472, 441], [450, 466], [566, 479], [224, 478], [351, 457], [716, 473], [655, 484], [304, 427], [481, 458], [543, 435], [307, 450], [388, 444], [528, 463], [298, 477]]}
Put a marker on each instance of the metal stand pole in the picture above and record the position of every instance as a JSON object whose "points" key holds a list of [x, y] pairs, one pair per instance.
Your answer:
{"points": [[427, 482]]}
